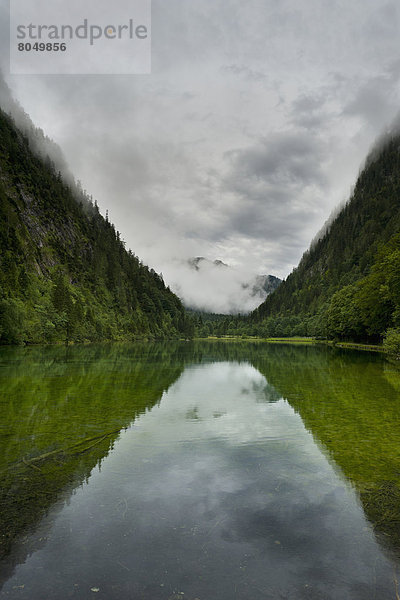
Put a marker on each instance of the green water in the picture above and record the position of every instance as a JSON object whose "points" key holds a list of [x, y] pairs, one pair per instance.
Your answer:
{"points": [[199, 471]]}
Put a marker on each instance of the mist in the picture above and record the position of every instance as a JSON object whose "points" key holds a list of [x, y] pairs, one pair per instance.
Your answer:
{"points": [[213, 288], [40, 143], [247, 135]]}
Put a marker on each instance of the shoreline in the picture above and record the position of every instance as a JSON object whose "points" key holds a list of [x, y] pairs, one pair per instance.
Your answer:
{"points": [[299, 341]]}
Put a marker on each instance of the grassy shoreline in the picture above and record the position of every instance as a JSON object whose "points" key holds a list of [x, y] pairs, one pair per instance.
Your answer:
{"points": [[308, 341], [299, 341]]}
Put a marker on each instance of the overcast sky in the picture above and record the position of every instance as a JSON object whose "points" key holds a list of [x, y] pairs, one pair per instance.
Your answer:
{"points": [[250, 130]]}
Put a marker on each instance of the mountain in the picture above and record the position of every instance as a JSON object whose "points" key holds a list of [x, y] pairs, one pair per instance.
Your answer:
{"points": [[347, 285], [199, 261], [224, 289], [40, 143], [263, 285], [65, 274]]}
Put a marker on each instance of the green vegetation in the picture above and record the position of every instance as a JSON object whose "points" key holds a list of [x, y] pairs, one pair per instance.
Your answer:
{"points": [[65, 274], [347, 286], [391, 342], [349, 402], [61, 410]]}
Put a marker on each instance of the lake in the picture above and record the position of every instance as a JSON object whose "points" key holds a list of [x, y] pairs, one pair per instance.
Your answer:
{"points": [[199, 471]]}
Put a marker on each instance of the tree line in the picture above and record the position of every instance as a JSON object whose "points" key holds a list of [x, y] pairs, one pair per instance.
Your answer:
{"points": [[65, 274]]}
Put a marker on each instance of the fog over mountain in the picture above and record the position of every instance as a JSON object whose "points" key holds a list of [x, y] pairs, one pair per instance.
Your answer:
{"points": [[249, 131], [214, 286]]}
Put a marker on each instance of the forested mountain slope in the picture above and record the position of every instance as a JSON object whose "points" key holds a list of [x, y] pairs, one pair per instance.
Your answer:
{"points": [[348, 284], [64, 271]]}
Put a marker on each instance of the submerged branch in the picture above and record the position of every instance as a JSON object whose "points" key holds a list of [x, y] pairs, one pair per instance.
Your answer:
{"points": [[73, 449]]}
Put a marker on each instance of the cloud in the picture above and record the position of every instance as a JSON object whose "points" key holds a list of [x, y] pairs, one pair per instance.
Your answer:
{"points": [[276, 185], [245, 72], [310, 111], [213, 288], [4, 35], [284, 158], [248, 133], [375, 101]]}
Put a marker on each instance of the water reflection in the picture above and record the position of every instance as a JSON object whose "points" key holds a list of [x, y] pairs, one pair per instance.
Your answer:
{"points": [[350, 403], [218, 491], [71, 399]]}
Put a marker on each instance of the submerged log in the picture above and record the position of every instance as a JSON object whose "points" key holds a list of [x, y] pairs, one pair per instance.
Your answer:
{"points": [[69, 449]]}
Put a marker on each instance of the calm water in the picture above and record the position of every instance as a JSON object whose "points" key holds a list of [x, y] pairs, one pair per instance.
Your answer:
{"points": [[205, 471]]}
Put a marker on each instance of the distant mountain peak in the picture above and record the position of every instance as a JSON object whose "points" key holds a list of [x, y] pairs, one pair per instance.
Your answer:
{"points": [[219, 263], [198, 261], [223, 289], [263, 285]]}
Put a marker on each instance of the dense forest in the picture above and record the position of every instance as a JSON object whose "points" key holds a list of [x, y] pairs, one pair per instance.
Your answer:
{"points": [[65, 274], [347, 285]]}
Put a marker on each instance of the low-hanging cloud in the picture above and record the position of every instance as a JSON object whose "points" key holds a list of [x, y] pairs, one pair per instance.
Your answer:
{"points": [[249, 131], [284, 158], [211, 287]]}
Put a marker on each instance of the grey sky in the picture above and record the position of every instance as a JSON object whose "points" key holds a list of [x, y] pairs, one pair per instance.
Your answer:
{"points": [[250, 130]]}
